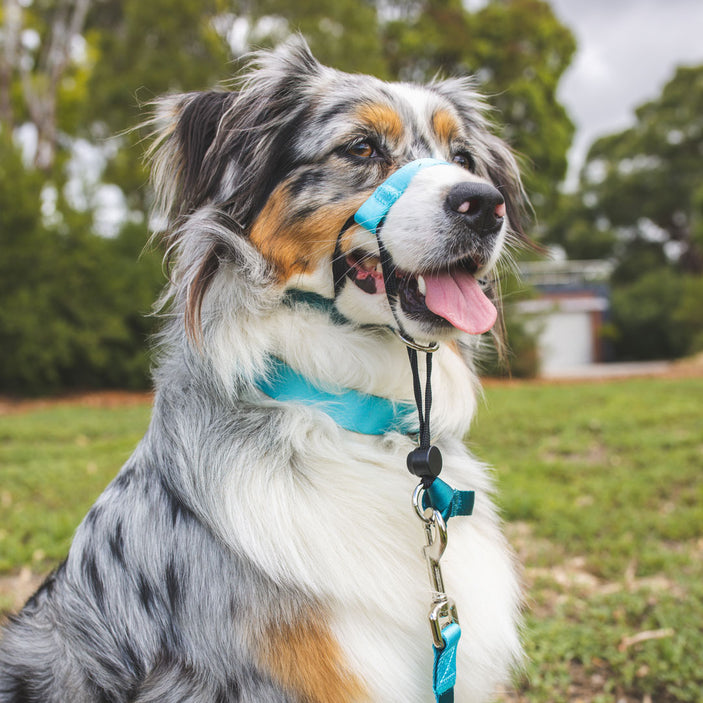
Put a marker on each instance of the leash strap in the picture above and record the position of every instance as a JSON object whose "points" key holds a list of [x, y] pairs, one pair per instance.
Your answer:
{"points": [[435, 502], [448, 501], [432, 495], [444, 670]]}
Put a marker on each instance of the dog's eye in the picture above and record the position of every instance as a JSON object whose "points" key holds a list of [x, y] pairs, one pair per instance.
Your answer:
{"points": [[363, 149], [465, 160]]}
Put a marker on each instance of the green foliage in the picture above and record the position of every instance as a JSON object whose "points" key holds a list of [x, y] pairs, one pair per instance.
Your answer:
{"points": [[145, 49], [689, 313], [73, 302], [572, 226], [519, 50], [345, 34], [641, 198], [657, 316], [651, 174]]}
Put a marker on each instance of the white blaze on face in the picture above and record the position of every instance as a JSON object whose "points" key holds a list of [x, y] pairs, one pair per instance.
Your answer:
{"points": [[416, 232]]}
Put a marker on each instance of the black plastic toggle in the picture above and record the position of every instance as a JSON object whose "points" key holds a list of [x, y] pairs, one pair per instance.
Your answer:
{"points": [[425, 462]]}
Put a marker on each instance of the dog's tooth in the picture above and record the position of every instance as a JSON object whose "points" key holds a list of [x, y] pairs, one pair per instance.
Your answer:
{"points": [[421, 285]]}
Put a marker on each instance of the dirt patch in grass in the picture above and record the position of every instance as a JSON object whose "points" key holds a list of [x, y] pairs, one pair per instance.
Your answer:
{"points": [[92, 399], [15, 589]]}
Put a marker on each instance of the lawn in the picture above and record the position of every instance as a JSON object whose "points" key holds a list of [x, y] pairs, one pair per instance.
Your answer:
{"points": [[600, 484], [603, 490]]}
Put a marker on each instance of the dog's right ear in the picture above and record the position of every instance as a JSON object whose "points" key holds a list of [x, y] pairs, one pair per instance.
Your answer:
{"points": [[184, 128], [196, 131]]}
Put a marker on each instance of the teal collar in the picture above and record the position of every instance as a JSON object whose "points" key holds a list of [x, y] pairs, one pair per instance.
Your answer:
{"points": [[350, 409], [294, 296]]}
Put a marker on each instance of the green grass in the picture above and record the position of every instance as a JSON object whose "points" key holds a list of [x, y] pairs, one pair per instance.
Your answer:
{"points": [[601, 485], [603, 488], [53, 465]]}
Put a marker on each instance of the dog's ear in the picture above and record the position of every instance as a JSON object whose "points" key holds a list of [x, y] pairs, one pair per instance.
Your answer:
{"points": [[217, 157], [230, 147], [184, 128], [195, 133]]}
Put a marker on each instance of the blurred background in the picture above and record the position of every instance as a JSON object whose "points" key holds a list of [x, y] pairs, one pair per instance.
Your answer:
{"points": [[599, 482], [603, 102]]}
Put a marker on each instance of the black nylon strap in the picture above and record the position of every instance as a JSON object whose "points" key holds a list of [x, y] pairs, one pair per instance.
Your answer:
{"points": [[339, 264], [423, 415]]}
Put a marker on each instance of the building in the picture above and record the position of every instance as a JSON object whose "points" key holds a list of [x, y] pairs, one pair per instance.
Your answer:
{"points": [[568, 313]]}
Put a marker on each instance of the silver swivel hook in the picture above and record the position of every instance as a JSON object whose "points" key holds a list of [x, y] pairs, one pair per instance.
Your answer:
{"points": [[443, 610]]}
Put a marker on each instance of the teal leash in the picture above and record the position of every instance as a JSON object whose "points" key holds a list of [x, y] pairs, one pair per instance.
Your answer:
{"points": [[435, 502]]}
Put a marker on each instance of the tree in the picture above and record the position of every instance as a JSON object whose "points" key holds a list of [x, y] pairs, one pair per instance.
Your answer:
{"points": [[646, 182], [640, 203], [345, 34], [518, 51], [38, 43], [73, 303]]}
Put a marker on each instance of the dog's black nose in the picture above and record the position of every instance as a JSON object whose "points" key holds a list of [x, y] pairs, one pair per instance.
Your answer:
{"points": [[480, 204]]}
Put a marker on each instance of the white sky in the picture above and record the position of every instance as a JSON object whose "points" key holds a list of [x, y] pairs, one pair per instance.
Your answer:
{"points": [[627, 51]]}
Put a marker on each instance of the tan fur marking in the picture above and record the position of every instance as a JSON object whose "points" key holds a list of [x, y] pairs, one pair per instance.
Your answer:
{"points": [[296, 247], [445, 125], [383, 119], [305, 659]]}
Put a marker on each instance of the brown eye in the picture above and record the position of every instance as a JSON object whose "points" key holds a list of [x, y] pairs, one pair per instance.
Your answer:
{"points": [[464, 160], [364, 150]]}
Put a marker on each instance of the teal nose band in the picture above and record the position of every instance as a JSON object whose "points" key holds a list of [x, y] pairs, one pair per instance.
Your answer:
{"points": [[374, 210]]}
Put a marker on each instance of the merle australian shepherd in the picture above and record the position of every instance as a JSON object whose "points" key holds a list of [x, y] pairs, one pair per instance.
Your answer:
{"points": [[252, 548]]}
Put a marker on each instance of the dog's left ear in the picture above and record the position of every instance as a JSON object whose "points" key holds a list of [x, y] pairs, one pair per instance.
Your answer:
{"points": [[195, 133]]}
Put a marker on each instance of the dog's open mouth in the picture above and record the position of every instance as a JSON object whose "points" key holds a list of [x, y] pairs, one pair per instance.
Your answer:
{"points": [[453, 296]]}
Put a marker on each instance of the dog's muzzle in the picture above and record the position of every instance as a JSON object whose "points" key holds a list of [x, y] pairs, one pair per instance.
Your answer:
{"points": [[452, 295]]}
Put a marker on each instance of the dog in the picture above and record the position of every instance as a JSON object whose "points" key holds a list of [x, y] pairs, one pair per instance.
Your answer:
{"points": [[253, 548]]}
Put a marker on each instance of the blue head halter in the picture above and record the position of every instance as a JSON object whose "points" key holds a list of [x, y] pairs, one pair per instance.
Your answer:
{"points": [[371, 216]]}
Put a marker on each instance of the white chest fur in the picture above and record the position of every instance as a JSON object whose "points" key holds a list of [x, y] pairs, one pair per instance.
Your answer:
{"points": [[329, 512]]}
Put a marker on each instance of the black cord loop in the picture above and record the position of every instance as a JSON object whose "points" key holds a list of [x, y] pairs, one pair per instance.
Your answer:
{"points": [[425, 461]]}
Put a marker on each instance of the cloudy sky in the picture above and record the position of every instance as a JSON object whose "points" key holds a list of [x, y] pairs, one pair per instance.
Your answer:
{"points": [[627, 51]]}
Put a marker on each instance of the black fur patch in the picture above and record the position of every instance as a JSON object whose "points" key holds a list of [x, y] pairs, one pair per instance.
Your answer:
{"points": [[147, 596], [47, 588], [196, 131], [93, 515], [116, 542], [173, 585], [93, 578], [18, 689], [123, 479]]}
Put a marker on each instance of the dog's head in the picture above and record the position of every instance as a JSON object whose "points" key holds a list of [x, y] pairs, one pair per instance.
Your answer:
{"points": [[286, 160]]}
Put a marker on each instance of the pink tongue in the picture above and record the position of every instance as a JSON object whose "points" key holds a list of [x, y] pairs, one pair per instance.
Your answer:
{"points": [[458, 298]]}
